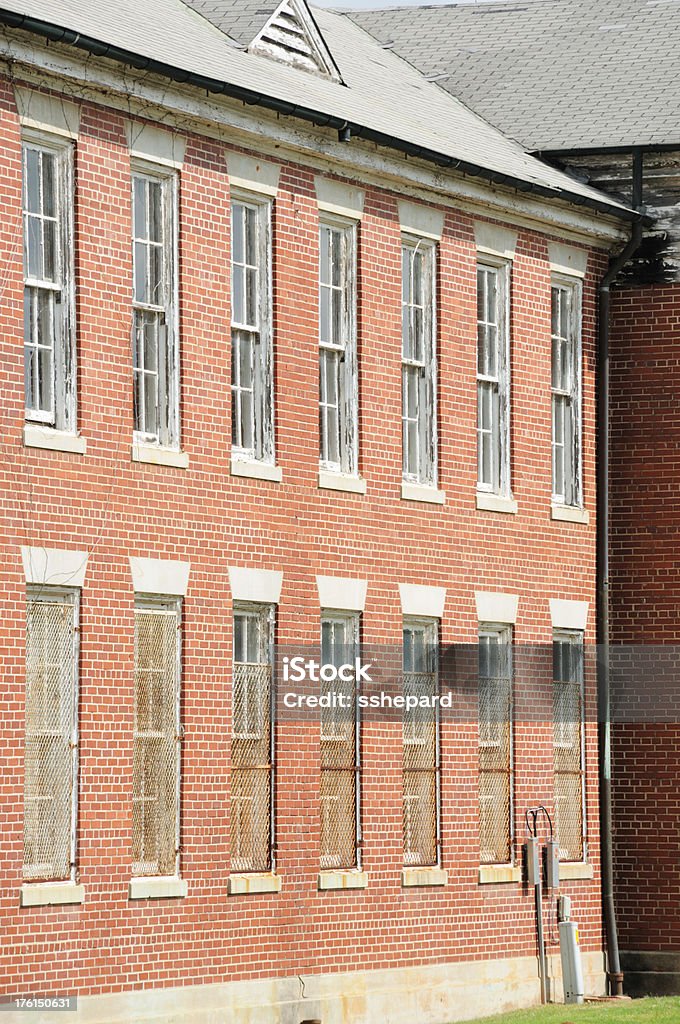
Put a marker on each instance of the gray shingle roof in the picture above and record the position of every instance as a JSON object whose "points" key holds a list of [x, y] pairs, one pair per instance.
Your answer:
{"points": [[553, 74], [383, 94], [241, 20]]}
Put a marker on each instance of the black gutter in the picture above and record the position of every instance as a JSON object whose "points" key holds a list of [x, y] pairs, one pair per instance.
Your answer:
{"points": [[58, 34], [614, 973]]}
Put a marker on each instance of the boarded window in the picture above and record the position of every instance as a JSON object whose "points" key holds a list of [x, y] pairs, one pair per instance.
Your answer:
{"points": [[50, 783], [493, 380], [252, 740], [49, 347], [568, 743], [495, 745], [156, 748], [340, 747], [566, 393], [421, 778], [337, 348], [155, 339], [418, 362]]}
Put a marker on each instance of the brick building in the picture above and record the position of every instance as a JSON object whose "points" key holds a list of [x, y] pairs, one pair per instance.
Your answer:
{"points": [[302, 370]]}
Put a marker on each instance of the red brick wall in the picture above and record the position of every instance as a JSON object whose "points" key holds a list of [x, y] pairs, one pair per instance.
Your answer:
{"points": [[117, 508]]}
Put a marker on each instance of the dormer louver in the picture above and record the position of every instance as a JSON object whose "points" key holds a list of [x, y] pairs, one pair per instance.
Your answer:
{"points": [[291, 37]]}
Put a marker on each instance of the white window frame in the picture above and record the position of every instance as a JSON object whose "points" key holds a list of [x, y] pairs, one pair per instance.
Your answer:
{"points": [[338, 453], [66, 596], [567, 394], [419, 365], [576, 637], [259, 331], [502, 633], [165, 313], [496, 384], [62, 411]]}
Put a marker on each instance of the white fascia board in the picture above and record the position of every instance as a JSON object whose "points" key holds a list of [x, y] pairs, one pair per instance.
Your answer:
{"points": [[260, 586], [54, 567], [342, 594], [165, 577], [568, 614], [500, 608], [418, 600]]}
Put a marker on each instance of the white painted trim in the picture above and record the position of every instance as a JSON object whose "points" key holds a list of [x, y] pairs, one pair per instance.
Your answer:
{"points": [[341, 482], [261, 586], [573, 870], [570, 514], [47, 113], [568, 614], [256, 470], [54, 567], [422, 221], [155, 455], [37, 436], [342, 880], [157, 887], [146, 142], [424, 876], [247, 885], [565, 259], [495, 240], [166, 577], [47, 894], [422, 492], [417, 600], [493, 874], [339, 198], [252, 174], [340, 593], [496, 502], [492, 607]]}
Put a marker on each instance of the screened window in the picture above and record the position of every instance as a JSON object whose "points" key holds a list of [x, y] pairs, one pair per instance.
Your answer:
{"points": [[568, 723], [252, 740], [495, 744], [340, 792], [51, 736], [49, 342], [251, 332], [418, 362], [566, 393], [493, 378], [337, 348], [155, 331], [421, 770], [157, 738]]}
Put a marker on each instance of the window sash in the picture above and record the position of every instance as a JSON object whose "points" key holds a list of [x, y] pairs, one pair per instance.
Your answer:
{"points": [[419, 371], [495, 745], [493, 383], [421, 777], [569, 743], [566, 392]]}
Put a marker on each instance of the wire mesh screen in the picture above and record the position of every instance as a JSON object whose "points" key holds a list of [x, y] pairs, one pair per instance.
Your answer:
{"points": [[155, 771], [420, 772], [568, 751], [50, 732], [495, 770], [251, 768], [339, 781]]}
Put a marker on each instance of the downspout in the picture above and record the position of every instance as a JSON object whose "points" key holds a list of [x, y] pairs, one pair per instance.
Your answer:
{"points": [[614, 974]]}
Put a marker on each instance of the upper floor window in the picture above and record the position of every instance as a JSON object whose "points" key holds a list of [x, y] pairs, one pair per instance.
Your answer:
{"points": [[566, 392], [493, 378], [49, 341], [418, 361], [338, 404], [155, 307], [495, 744], [252, 419]]}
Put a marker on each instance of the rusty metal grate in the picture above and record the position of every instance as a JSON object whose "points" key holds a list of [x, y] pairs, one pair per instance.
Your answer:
{"points": [[495, 767], [50, 752], [568, 745], [420, 772], [156, 755], [251, 775]]}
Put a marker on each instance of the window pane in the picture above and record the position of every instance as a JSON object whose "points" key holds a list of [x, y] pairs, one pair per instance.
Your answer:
{"points": [[251, 297], [238, 234], [49, 184], [50, 250], [34, 255], [32, 181], [140, 291], [238, 295], [251, 216], [155, 211]]}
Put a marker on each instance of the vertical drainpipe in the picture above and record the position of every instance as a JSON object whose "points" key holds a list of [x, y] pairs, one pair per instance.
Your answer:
{"points": [[614, 974]]}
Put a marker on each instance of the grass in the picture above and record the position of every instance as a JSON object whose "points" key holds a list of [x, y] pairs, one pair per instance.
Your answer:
{"points": [[637, 1011]]}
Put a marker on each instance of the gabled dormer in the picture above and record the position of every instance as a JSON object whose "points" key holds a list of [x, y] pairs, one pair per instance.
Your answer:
{"points": [[291, 36]]}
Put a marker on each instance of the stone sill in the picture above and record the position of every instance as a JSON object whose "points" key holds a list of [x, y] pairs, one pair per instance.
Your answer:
{"points": [[342, 880], [157, 456], [493, 874], [575, 869], [341, 482], [256, 470], [155, 888], [496, 503], [244, 885], [37, 436], [424, 876], [570, 514], [45, 894], [421, 492]]}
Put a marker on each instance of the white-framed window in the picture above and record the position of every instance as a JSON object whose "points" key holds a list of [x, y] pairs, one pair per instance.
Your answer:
{"points": [[421, 762], [338, 378], [493, 377], [418, 360], [155, 334], [252, 752], [566, 390], [495, 744], [252, 396], [156, 764], [51, 734], [49, 281], [340, 747], [569, 743]]}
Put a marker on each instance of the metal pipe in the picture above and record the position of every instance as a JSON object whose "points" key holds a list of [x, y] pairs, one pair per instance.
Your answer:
{"points": [[542, 963], [603, 663]]}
